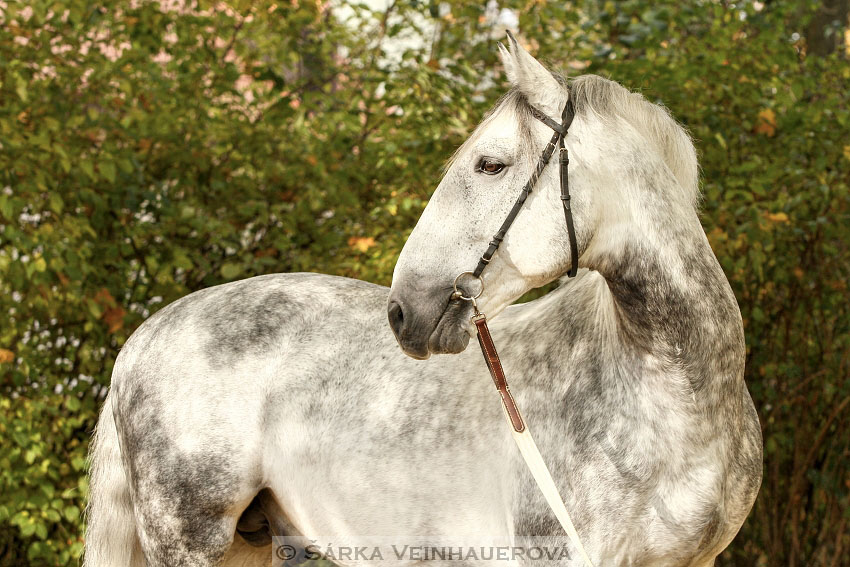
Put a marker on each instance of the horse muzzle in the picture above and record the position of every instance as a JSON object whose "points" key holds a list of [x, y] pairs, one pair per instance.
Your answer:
{"points": [[428, 322]]}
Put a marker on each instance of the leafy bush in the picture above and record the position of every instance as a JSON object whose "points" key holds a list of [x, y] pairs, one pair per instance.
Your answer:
{"points": [[151, 151]]}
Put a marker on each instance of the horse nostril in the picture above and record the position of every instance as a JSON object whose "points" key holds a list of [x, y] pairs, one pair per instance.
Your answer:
{"points": [[396, 316]]}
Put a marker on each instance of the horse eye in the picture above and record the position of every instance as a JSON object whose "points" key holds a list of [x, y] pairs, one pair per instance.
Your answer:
{"points": [[490, 167]]}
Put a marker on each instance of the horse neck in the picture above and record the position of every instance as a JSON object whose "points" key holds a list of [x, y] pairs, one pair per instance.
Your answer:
{"points": [[662, 306], [669, 295]]}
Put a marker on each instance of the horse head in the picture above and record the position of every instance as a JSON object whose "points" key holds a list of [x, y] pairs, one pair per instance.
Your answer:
{"points": [[477, 191]]}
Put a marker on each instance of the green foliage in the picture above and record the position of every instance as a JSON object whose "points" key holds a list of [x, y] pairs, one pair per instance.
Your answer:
{"points": [[146, 153]]}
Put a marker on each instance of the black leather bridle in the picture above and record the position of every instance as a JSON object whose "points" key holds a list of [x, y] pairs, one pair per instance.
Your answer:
{"points": [[563, 157]]}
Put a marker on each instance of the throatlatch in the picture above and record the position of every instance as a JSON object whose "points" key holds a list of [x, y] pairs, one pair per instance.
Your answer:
{"points": [[519, 429]]}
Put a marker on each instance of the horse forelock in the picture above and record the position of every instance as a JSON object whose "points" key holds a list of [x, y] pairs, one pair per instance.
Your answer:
{"points": [[512, 101]]}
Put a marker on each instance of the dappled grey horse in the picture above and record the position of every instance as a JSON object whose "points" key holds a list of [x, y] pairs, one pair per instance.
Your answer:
{"points": [[282, 405]]}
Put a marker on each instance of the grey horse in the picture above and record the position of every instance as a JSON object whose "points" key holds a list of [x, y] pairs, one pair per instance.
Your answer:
{"points": [[282, 405]]}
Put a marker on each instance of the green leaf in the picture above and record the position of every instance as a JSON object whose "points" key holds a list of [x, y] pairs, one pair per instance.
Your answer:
{"points": [[230, 270], [71, 513], [41, 530], [6, 208], [72, 403], [88, 168], [21, 90], [107, 169], [28, 528], [56, 203], [94, 309]]}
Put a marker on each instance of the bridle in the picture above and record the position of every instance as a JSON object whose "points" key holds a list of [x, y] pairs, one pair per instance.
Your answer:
{"points": [[557, 141], [520, 432]]}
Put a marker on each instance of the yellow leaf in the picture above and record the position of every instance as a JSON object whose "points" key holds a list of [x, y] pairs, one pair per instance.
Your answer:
{"points": [[40, 264], [361, 243], [847, 152], [777, 217], [766, 122], [6, 355]]}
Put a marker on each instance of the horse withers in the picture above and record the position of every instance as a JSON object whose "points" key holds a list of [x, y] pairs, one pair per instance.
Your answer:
{"points": [[282, 405]]}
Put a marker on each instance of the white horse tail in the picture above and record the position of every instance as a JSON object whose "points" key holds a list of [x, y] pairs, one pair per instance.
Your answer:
{"points": [[111, 539]]}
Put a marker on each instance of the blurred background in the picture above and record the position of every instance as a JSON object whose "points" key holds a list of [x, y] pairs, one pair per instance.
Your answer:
{"points": [[149, 149]]}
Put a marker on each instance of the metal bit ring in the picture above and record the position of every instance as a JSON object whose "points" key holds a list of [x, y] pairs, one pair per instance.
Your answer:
{"points": [[458, 294]]}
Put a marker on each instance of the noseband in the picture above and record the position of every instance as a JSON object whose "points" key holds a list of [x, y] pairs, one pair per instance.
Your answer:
{"points": [[564, 159]]}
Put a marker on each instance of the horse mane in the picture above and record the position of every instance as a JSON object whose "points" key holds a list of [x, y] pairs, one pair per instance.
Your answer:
{"points": [[606, 99]]}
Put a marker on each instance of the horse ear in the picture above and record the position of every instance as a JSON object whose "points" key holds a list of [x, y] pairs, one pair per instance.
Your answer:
{"points": [[531, 78], [508, 63]]}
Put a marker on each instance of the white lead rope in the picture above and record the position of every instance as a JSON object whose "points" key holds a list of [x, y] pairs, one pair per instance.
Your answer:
{"points": [[540, 472]]}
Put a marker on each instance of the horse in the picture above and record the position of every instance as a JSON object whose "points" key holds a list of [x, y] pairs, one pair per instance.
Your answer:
{"points": [[285, 405]]}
